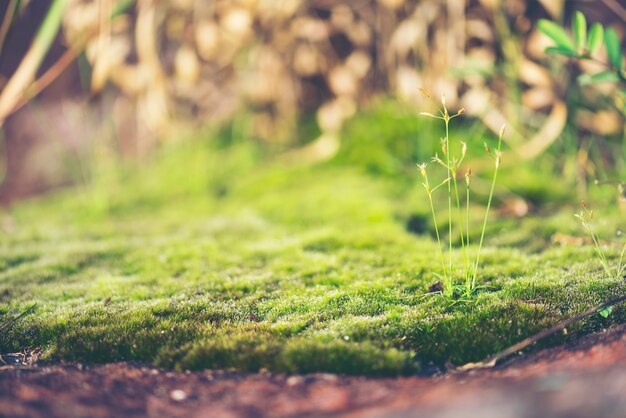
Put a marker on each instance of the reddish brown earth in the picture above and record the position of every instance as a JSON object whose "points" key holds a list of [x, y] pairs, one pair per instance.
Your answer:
{"points": [[584, 379]]}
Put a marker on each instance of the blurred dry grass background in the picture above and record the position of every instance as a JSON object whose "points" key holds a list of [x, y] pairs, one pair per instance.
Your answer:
{"points": [[161, 68]]}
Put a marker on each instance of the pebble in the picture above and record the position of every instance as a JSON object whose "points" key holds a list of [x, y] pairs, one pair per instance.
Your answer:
{"points": [[294, 380], [178, 395]]}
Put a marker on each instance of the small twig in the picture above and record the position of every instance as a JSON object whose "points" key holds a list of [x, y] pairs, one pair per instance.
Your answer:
{"points": [[492, 360], [8, 324], [49, 76]]}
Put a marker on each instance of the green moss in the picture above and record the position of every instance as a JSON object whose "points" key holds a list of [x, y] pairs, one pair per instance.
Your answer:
{"points": [[212, 257]]}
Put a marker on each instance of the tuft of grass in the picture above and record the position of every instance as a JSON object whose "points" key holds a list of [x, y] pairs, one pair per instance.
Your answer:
{"points": [[586, 218], [452, 166]]}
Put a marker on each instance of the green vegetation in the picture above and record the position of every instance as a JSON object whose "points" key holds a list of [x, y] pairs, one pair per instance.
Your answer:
{"points": [[586, 219], [222, 257], [453, 166], [596, 64], [585, 48]]}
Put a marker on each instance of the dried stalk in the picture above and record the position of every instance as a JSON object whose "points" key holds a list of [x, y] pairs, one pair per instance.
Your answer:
{"points": [[492, 360]]}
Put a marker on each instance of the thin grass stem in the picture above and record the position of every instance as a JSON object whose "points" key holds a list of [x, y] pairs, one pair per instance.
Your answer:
{"points": [[621, 267], [468, 272], [443, 260], [447, 145], [493, 186], [458, 206], [603, 260]]}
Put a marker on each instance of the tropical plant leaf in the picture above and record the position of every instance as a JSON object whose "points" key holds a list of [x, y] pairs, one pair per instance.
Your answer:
{"points": [[596, 36], [603, 77], [560, 51], [579, 28], [613, 48], [557, 34]]}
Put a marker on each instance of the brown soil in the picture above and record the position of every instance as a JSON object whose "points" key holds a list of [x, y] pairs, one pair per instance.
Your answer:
{"points": [[584, 379]]}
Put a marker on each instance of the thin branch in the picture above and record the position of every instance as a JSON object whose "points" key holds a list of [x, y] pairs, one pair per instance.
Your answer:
{"points": [[492, 360], [27, 69], [8, 324], [48, 77]]}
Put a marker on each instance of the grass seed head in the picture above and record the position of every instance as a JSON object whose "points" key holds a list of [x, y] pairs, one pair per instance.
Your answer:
{"points": [[446, 115], [439, 161], [468, 176], [422, 168]]}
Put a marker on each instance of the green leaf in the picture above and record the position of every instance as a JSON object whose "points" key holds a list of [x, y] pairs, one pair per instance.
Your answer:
{"points": [[557, 34], [579, 28], [560, 51], [596, 36], [603, 77], [613, 48], [604, 313]]}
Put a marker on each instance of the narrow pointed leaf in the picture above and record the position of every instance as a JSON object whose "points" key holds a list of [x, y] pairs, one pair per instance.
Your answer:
{"points": [[579, 28], [613, 48], [21, 78], [557, 34], [596, 36], [560, 51]]}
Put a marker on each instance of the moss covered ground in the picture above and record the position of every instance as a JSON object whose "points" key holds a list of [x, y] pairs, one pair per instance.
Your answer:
{"points": [[218, 257]]}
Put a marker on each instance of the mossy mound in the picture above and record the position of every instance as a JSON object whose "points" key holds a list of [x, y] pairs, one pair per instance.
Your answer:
{"points": [[217, 258]]}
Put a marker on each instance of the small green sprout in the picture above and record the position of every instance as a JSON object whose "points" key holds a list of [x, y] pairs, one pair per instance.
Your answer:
{"points": [[606, 312], [452, 165], [585, 216]]}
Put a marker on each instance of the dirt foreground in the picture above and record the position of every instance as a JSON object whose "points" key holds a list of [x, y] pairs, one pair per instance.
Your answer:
{"points": [[585, 379]]}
